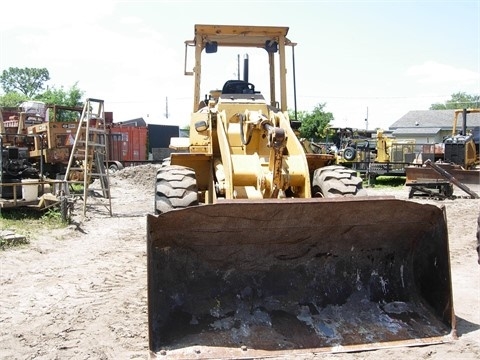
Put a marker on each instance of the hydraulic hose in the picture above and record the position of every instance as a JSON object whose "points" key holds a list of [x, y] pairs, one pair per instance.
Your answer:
{"points": [[245, 141]]}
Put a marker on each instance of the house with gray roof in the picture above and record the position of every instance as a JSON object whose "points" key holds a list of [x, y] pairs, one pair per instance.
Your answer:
{"points": [[432, 126]]}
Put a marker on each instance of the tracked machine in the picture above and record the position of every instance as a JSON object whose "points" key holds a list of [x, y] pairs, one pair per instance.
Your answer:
{"points": [[257, 249]]}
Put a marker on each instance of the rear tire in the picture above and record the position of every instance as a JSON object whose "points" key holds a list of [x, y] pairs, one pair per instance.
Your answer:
{"points": [[175, 188], [335, 181]]}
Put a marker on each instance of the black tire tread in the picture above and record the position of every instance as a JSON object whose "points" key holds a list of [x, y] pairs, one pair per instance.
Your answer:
{"points": [[175, 188], [336, 181]]}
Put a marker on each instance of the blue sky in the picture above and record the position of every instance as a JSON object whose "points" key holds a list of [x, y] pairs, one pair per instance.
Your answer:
{"points": [[375, 58]]}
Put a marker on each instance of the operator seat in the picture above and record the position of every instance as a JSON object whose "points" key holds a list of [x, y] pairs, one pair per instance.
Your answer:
{"points": [[238, 87]]}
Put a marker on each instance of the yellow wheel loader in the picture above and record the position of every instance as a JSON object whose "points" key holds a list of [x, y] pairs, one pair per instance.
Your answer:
{"points": [[257, 249]]}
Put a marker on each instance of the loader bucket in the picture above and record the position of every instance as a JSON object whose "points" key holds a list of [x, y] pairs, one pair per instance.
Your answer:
{"points": [[246, 279]]}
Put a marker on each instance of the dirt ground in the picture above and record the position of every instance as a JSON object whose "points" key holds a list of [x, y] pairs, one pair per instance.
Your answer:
{"points": [[81, 292]]}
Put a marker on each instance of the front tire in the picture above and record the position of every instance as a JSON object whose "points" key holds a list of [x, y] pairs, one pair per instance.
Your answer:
{"points": [[336, 181], [349, 153], [175, 188]]}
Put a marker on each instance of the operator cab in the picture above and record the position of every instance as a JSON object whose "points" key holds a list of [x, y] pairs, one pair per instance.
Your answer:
{"points": [[239, 87], [233, 90], [240, 90]]}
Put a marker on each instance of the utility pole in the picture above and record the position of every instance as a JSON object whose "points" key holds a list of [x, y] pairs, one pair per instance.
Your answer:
{"points": [[166, 107], [366, 120]]}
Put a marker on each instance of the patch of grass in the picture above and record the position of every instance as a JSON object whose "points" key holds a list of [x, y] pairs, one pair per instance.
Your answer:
{"points": [[25, 222], [53, 218], [388, 181], [76, 188], [50, 217]]}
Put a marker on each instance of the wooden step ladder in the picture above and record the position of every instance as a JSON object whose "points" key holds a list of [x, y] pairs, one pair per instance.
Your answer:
{"points": [[90, 154]]}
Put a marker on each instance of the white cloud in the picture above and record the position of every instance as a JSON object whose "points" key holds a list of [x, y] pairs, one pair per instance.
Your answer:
{"points": [[48, 14], [131, 61], [130, 20], [431, 72]]}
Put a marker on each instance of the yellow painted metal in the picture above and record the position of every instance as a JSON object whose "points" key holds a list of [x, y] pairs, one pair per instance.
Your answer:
{"points": [[264, 264]]}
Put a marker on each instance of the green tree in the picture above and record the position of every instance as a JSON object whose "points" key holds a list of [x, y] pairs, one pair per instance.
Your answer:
{"points": [[314, 125], [459, 100], [55, 96], [12, 99], [52, 96], [300, 115], [27, 81]]}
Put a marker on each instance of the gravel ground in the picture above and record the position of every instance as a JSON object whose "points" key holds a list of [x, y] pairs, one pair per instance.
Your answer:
{"points": [[81, 292]]}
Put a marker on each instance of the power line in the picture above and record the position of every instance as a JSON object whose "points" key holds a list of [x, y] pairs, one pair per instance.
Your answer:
{"points": [[378, 97]]}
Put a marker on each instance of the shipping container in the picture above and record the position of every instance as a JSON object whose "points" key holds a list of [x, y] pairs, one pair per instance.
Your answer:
{"points": [[128, 144]]}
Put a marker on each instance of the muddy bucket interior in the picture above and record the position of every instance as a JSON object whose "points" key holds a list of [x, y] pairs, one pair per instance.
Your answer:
{"points": [[316, 274]]}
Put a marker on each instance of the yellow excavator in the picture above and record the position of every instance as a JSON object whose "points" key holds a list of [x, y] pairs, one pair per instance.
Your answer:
{"points": [[257, 249]]}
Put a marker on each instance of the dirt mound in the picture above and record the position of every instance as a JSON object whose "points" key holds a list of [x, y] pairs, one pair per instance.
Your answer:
{"points": [[142, 176]]}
